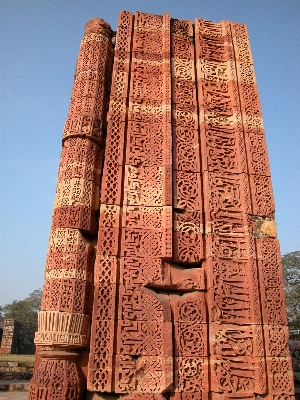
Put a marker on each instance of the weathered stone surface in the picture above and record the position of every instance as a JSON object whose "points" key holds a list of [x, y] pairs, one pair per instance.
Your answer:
{"points": [[9, 336], [264, 227], [163, 243]]}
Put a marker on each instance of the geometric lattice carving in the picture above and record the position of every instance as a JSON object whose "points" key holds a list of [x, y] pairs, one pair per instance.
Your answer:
{"points": [[58, 376]]}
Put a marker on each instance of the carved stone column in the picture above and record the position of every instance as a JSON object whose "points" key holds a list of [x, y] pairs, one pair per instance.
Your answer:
{"points": [[187, 299], [64, 319]]}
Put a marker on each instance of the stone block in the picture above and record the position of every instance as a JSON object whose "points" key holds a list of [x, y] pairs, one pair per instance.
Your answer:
{"points": [[120, 83], [188, 221], [190, 396], [113, 176], [226, 195], [191, 374], [220, 151], [146, 374], [268, 250], [184, 119], [257, 154], [151, 218], [280, 375], [104, 302], [115, 143], [186, 153], [67, 295], [242, 49], [189, 307], [184, 93], [190, 339], [187, 191], [105, 269], [273, 306], [69, 260], [125, 20], [137, 271], [143, 304], [233, 290], [188, 247], [143, 243], [102, 336], [276, 340], [181, 279], [109, 241], [145, 144], [76, 217], [143, 186], [110, 216], [270, 272], [238, 375], [262, 196], [229, 247], [117, 110], [144, 338], [249, 99], [254, 126], [122, 61], [233, 340], [232, 304], [100, 372]]}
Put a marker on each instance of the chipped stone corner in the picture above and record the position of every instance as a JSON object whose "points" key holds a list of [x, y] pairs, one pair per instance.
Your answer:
{"points": [[263, 227]]}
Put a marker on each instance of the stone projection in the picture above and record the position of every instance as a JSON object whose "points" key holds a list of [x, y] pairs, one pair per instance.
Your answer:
{"points": [[163, 276]]}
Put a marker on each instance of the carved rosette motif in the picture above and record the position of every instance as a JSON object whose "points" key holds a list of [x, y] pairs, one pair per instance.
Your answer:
{"points": [[165, 237]]}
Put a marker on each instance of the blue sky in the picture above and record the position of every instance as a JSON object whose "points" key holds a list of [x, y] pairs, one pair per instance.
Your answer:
{"points": [[39, 47]]}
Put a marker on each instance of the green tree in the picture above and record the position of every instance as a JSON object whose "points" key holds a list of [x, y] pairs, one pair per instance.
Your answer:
{"points": [[291, 271], [25, 312]]}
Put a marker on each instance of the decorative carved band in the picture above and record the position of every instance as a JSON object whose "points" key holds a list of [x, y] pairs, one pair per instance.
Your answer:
{"points": [[69, 274], [62, 328], [61, 339], [97, 37]]}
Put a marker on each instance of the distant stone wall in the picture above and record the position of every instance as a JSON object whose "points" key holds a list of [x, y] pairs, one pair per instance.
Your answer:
{"points": [[12, 370], [9, 340]]}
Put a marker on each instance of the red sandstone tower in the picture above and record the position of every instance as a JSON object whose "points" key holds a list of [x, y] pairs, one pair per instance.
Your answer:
{"points": [[163, 275]]}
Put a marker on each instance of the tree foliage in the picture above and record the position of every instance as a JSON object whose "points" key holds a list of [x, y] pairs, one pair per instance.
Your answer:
{"points": [[25, 312], [291, 271]]}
